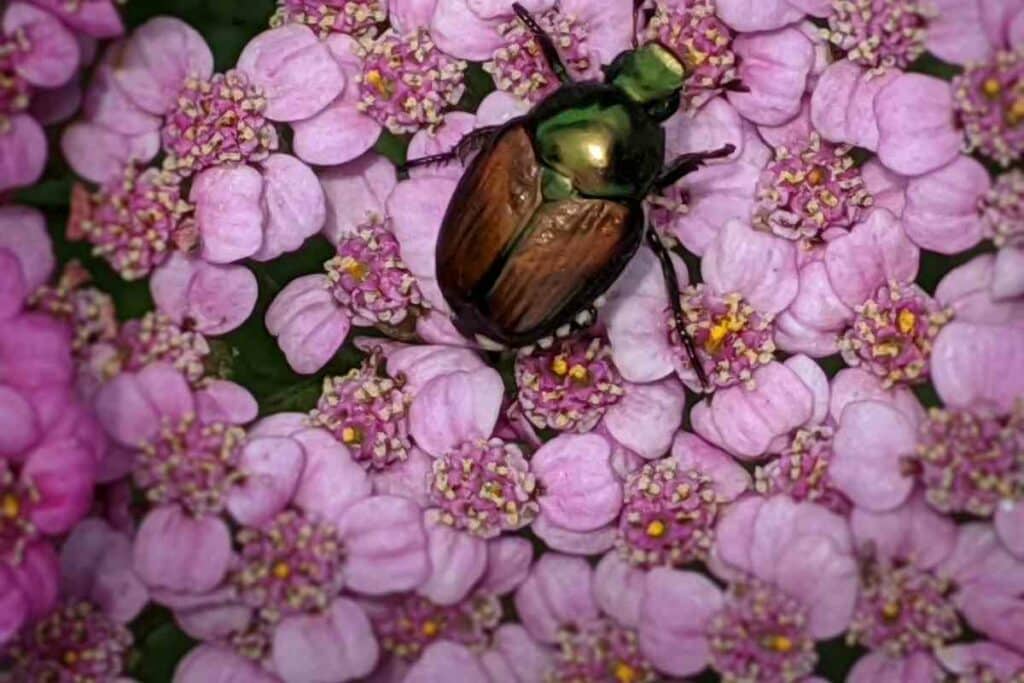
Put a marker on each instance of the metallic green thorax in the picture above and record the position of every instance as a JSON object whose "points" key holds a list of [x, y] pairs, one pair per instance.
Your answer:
{"points": [[605, 140], [649, 74]]}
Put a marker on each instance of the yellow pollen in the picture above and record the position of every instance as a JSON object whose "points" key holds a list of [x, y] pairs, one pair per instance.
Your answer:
{"points": [[891, 610], [624, 673], [379, 83], [991, 87], [656, 529], [906, 321], [816, 176], [890, 349], [1015, 112], [430, 628], [559, 366], [579, 373], [351, 435], [10, 506], [780, 644], [70, 658], [282, 570], [716, 335], [357, 269]]}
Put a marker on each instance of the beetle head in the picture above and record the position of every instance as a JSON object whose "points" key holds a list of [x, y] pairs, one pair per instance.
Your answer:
{"points": [[650, 75]]}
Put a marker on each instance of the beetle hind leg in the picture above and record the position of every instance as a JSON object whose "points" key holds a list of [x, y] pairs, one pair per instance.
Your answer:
{"points": [[688, 163]]}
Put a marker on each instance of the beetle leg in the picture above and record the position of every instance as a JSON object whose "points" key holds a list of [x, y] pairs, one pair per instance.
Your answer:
{"points": [[688, 163], [471, 142], [672, 285], [547, 45]]}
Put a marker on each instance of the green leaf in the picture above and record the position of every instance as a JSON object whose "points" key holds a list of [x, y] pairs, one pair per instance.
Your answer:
{"points": [[160, 645], [392, 146], [55, 193]]}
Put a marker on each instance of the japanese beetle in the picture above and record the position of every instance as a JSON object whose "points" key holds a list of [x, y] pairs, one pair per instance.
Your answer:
{"points": [[549, 211]]}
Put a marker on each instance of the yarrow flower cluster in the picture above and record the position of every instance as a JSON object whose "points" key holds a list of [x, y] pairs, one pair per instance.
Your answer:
{"points": [[236, 410]]}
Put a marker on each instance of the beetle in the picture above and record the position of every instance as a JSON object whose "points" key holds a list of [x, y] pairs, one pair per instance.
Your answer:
{"points": [[549, 210]]}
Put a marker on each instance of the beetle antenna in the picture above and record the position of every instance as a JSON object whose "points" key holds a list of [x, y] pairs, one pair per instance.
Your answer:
{"points": [[547, 45], [672, 285]]}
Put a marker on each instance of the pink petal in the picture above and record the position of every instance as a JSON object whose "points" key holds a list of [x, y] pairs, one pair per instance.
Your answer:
{"points": [[996, 614], [419, 364], [214, 299], [842, 104], [272, 467], [295, 69], [417, 208], [775, 67], [676, 608], [13, 606], [887, 188], [457, 30], [108, 106], [748, 420], [508, 564], [692, 452], [308, 322], [457, 560], [35, 351], [428, 142], [23, 234], [647, 416], [445, 660], [969, 290], [178, 552], [62, 472], [456, 408], [293, 203], [913, 532], [919, 667], [356, 191], [218, 664], [955, 34], [619, 589], [758, 15], [852, 385], [1009, 524], [228, 212], [12, 286], [979, 366], [386, 545], [574, 542], [98, 18], [580, 489], [962, 659], [500, 107], [515, 657], [99, 154], [868, 447], [813, 377], [875, 252], [942, 206], [639, 338], [814, 318], [37, 578], [757, 265], [158, 58], [1008, 278], [131, 406], [335, 646], [336, 134], [22, 152], [19, 426], [53, 56], [331, 481], [96, 564], [915, 124], [980, 563], [556, 594]]}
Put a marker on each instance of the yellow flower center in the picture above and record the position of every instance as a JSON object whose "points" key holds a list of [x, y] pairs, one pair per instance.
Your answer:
{"points": [[780, 644], [656, 529], [10, 506], [379, 83], [991, 87], [1015, 112], [891, 610], [559, 366], [579, 373], [732, 321], [70, 658], [906, 321], [430, 628], [816, 176], [282, 570], [357, 269], [624, 673], [351, 435]]}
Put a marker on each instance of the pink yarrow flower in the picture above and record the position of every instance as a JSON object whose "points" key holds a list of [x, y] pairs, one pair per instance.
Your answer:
{"points": [[792, 581], [332, 16], [86, 635], [748, 278], [36, 52]]}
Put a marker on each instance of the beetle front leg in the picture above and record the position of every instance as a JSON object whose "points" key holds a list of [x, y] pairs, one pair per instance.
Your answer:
{"points": [[672, 285], [688, 163], [547, 45], [471, 142]]}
